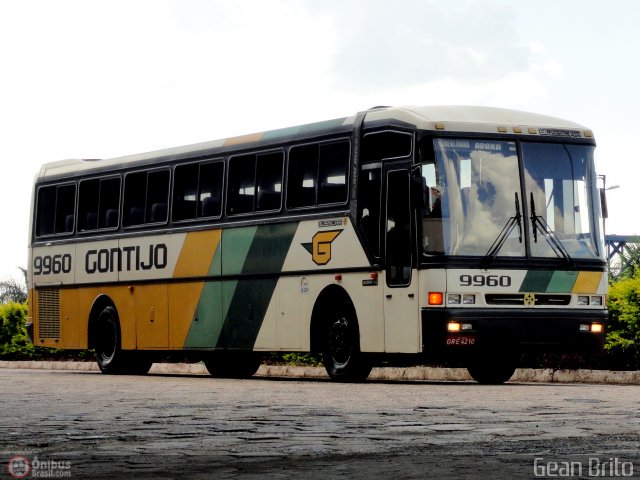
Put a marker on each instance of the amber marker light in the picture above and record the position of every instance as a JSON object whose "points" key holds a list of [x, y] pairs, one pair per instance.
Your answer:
{"points": [[596, 328], [435, 298]]}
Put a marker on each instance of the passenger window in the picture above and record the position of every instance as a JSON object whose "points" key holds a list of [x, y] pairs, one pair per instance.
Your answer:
{"points": [[318, 174], [99, 204], [269, 181], [303, 176], [334, 163], [242, 178], [146, 196], [255, 183], [197, 191], [56, 210], [210, 189]]}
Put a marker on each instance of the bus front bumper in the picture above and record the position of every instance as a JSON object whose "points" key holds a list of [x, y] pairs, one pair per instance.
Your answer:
{"points": [[452, 330]]}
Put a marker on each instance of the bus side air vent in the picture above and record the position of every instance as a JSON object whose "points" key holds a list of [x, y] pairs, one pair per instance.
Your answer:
{"points": [[49, 313]]}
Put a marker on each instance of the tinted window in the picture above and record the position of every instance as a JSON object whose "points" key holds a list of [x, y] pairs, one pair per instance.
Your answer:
{"points": [[255, 183], [384, 145], [99, 204], [197, 191], [56, 207], [318, 174], [146, 196]]}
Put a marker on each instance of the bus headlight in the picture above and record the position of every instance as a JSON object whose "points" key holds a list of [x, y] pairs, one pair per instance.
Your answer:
{"points": [[453, 299], [597, 300], [583, 300], [468, 299]]}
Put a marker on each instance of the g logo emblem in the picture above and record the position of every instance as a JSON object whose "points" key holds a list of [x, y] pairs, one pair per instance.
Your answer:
{"points": [[529, 299], [320, 246]]}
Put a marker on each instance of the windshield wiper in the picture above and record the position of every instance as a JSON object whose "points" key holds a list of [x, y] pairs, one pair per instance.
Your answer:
{"points": [[539, 223], [504, 234]]}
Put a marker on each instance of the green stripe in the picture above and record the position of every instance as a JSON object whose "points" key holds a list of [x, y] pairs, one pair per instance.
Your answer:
{"points": [[235, 247], [536, 281], [216, 296], [562, 282], [251, 297]]}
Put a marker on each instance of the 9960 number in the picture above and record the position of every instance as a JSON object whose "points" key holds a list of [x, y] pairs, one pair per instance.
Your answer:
{"points": [[52, 264], [485, 280]]}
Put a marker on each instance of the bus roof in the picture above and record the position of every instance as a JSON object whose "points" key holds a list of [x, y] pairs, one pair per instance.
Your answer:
{"points": [[461, 119]]}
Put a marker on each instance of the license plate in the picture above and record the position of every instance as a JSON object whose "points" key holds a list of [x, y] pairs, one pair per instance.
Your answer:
{"points": [[460, 340]]}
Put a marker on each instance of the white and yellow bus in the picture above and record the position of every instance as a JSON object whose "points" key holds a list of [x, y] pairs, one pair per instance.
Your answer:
{"points": [[395, 235]]}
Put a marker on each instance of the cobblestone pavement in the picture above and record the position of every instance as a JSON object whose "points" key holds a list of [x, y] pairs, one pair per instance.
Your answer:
{"points": [[88, 425]]}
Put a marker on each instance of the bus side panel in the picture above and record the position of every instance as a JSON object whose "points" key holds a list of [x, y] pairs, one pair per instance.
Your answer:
{"points": [[151, 312], [367, 299], [73, 325], [195, 308]]}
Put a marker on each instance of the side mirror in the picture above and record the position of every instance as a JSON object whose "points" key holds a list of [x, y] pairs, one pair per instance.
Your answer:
{"points": [[603, 203], [419, 192]]}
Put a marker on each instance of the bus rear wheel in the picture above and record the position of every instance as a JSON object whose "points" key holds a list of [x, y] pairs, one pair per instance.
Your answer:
{"points": [[341, 355], [233, 365], [111, 359]]}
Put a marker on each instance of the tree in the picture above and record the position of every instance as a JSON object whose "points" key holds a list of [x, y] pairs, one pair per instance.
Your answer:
{"points": [[12, 290], [623, 339]]}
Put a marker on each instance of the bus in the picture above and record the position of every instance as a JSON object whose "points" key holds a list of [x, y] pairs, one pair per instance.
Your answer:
{"points": [[395, 236]]}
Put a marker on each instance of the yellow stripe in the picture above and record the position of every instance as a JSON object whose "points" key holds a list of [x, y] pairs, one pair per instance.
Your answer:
{"points": [[587, 282], [253, 137], [197, 253]]}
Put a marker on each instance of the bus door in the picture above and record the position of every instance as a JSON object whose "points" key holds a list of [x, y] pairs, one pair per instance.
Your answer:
{"points": [[401, 312]]}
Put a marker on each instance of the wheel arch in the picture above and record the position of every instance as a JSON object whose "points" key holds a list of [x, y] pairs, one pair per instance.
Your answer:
{"points": [[331, 299], [99, 304]]}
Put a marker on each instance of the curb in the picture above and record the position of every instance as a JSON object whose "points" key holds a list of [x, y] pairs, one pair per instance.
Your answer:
{"points": [[437, 374]]}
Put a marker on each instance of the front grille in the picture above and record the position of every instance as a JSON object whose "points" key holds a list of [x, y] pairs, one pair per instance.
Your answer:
{"points": [[519, 299], [49, 313]]}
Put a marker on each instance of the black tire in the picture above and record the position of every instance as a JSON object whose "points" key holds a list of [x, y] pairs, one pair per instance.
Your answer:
{"points": [[341, 355], [111, 359], [233, 364], [493, 369]]}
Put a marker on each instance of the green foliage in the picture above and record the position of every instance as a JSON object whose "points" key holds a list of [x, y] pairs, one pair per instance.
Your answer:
{"points": [[623, 339], [296, 359], [14, 342], [306, 359]]}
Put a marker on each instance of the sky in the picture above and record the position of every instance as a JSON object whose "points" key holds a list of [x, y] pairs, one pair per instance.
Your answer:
{"points": [[100, 79]]}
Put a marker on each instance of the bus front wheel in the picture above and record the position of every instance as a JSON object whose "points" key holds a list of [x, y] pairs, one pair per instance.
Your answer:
{"points": [[491, 369], [109, 355], [341, 355]]}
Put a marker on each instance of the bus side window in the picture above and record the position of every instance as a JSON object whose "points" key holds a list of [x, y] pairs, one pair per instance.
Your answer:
{"points": [[210, 189], [146, 196], [98, 204], [56, 209], [369, 186], [303, 176], [241, 188], [332, 182], [269, 170], [185, 190]]}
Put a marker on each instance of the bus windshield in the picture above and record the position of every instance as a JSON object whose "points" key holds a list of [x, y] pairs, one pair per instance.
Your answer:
{"points": [[475, 199]]}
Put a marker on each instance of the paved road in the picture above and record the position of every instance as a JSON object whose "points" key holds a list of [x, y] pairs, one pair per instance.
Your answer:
{"points": [[88, 425]]}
